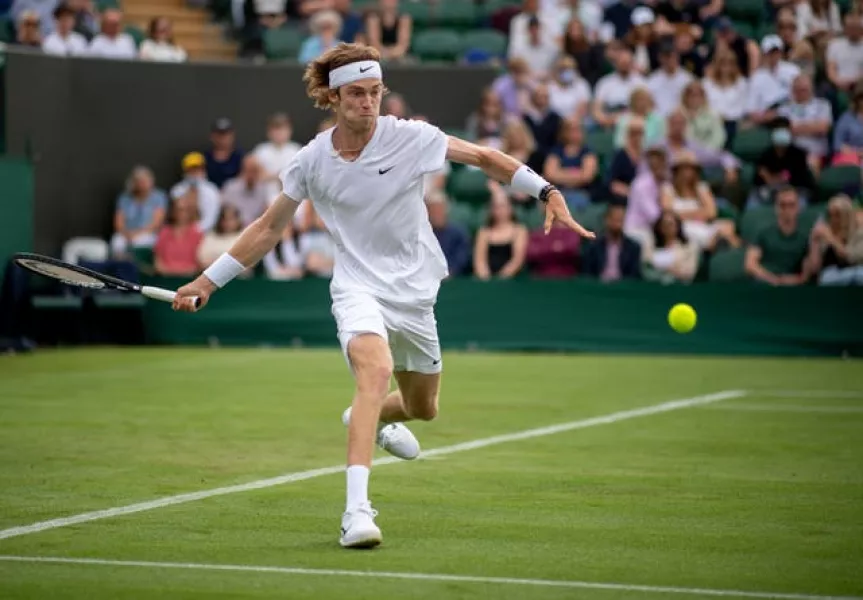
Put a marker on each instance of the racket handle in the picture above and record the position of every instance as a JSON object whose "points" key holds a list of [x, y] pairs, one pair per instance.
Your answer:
{"points": [[164, 295]]}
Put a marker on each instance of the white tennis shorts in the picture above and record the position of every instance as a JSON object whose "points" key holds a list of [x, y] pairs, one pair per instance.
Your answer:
{"points": [[410, 329]]}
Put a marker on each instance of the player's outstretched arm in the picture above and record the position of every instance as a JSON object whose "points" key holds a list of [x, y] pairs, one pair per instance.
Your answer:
{"points": [[504, 168], [253, 244]]}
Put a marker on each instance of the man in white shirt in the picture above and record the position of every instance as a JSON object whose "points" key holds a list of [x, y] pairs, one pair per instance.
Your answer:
{"points": [[561, 12], [275, 154], [247, 192], [365, 179], [63, 41], [845, 54], [770, 86], [811, 119], [520, 23], [612, 92], [113, 42], [209, 198], [540, 50], [667, 82]]}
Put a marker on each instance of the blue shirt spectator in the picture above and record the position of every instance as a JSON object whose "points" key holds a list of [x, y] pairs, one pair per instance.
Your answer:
{"points": [[848, 133], [139, 214], [352, 22], [613, 256], [325, 26], [224, 159], [453, 239], [44, 8]]}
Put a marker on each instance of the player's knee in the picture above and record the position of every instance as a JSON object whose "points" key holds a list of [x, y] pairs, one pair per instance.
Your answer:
{"points": [[425, 411], [374, 377]]}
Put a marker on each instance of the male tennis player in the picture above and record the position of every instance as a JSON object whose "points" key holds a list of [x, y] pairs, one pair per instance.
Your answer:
{"points": [[365, 178]]}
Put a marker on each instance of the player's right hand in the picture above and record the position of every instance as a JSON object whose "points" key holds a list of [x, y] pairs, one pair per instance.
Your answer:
{"points": [[202, 287]]}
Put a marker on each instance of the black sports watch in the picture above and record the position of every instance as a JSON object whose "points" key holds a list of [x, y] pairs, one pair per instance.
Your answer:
{"points": [[545, 192]]}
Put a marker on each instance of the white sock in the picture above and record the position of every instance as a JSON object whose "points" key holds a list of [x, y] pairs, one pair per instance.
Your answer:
{"points": [[358, 486]]}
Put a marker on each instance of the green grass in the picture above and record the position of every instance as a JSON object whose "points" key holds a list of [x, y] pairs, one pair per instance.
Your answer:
{"points": [[758, 493]]}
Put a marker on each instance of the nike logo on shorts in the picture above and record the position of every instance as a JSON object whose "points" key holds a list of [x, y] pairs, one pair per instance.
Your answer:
{"points": [[384, 171], [436, 362]]}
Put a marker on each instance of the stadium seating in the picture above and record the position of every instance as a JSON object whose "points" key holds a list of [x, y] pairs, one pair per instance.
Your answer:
{"points": [[601, 142], [437, 44], [749, 144], [592, 217], [456, 13], [749, 11], [282, 44], [422, 14], [727, 266], [465, 215], [137, 34], [838, 180], [486, 40], [469, 185]]}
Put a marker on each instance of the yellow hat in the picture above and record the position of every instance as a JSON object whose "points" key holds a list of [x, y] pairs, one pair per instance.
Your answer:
{"points": [[193, 160]]}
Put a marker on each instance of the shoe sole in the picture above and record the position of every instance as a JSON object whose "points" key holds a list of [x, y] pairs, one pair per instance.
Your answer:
{"points": [[365, 543]]}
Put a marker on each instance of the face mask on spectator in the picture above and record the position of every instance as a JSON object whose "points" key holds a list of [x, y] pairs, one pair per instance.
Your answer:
{"points": [[195, 177], [567, 76], [781, 137]]}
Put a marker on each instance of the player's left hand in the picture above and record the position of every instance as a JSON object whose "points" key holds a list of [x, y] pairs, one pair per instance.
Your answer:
{"points": [[557, 210]]}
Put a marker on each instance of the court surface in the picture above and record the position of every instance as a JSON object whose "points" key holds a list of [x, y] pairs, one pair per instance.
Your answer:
{"points": [[203, 473]]}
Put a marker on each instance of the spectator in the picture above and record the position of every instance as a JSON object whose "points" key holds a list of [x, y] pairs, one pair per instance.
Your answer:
{"points": [[453, 239], [176, 249], [275, 154], [221, 238], [689, 196], [780, 165], [803, 55], [113, 42], [249, 192], [284, 262], [676, 141], [680, 15], [613, 256], [669, 256], [571, 166], [553, 255], [624, 165], [816, 16], [64, 41], [643, 41], [501, 244], [811, 120], [488, 120], [641, 106], [836, 246], [619, 15], [569, 93], [543, 122], [771, 84], [389, 30], [588, 55], [140, 213], [325, 27], [779, 254], [704, 126], [512, 87], [643, 208], [207, 194], [786, 28], [316, 244], [667, 83], [353, 30], [747, 55], [42, 11], [27, 30], [86, 17], [845, 54], [223, 158], [692, 57], [159, 45], [727, 92], [518, 142], [586, 12], [395, 105], [519, 26], [848, 134], [539, 50], [613, 91]]}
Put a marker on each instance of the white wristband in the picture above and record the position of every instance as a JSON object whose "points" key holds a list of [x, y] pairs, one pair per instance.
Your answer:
{"points": [[223, 270], [527, 182]]}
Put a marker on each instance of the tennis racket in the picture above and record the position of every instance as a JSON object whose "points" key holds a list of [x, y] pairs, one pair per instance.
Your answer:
{"points": [[79, 276]]}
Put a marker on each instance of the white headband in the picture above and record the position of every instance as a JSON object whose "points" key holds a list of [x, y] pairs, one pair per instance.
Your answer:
{"points": [[365, 69]]}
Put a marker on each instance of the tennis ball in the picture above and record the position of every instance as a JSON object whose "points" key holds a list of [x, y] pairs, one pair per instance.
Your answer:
{"points": [[682, 318]]}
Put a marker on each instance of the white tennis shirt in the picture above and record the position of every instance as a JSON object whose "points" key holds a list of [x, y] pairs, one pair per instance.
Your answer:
{"points": [[374, 209]]}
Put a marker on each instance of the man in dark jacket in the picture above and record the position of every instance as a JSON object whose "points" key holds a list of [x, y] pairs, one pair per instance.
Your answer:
{"points": [[780, 165], [613, 256]]}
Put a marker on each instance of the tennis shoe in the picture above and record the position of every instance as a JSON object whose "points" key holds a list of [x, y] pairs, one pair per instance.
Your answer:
{"points": [[359, 529], [395, 438]]}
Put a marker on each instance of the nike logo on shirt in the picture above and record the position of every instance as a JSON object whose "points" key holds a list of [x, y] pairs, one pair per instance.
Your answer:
{"points": [[384, 171]]}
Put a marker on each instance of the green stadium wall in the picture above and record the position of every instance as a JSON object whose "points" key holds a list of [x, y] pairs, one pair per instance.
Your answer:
{"points": [[531, 315], [16, 208]]}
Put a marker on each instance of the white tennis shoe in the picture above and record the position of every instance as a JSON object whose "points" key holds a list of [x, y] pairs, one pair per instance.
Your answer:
{"points": [[359, 529], [395, 438]]}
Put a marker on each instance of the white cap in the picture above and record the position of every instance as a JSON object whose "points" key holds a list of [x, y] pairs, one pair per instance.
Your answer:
{"points": [[642, 16], [771, 42]]}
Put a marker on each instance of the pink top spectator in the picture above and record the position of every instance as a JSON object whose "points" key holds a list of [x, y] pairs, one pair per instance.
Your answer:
{"points": [[642, 209], [553, 256], [176, 249]]}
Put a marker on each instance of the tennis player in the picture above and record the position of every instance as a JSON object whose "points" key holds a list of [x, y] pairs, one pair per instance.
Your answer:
{"points": [[365, 178]]}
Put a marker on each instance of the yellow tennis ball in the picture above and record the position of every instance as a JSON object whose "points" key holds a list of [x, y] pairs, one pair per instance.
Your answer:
{"points": [[682, 318]]}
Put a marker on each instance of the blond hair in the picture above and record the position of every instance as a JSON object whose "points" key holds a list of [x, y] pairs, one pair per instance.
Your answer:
{"points": [[317, 75]]}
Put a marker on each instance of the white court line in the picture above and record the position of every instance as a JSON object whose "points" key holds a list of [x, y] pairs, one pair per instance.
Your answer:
{"points": [[778, 407], [805, 393], [303, 475], [590, 585]]}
